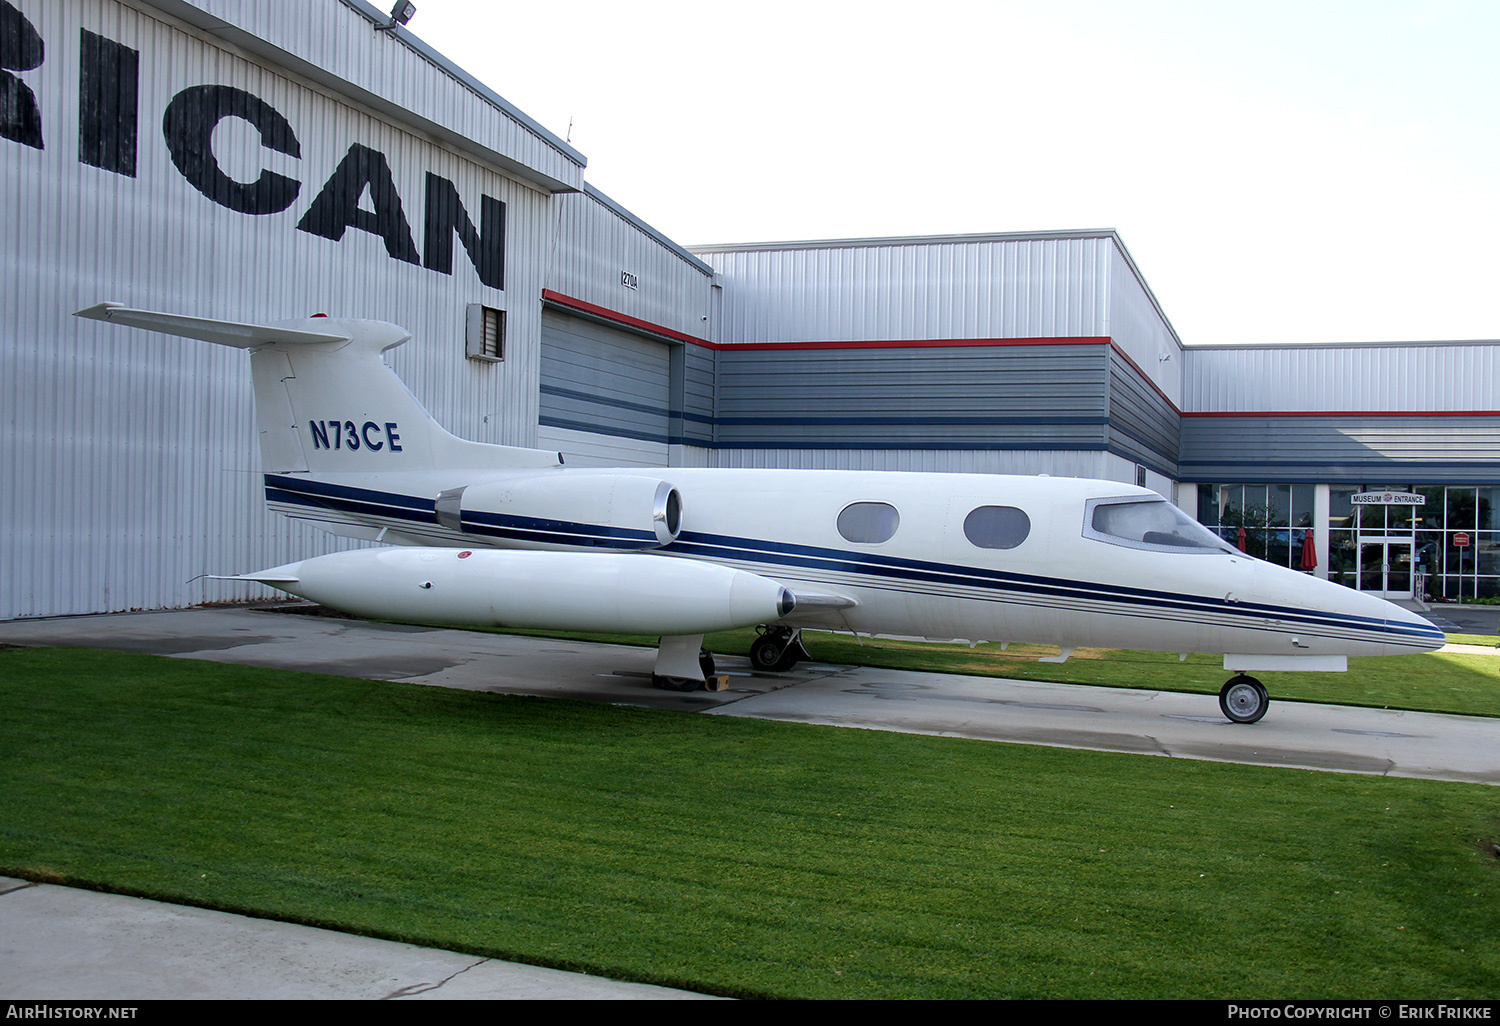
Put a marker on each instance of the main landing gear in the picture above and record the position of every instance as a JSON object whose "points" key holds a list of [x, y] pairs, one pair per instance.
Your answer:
{"points": [[705, 665], [682, 664], [777, 649], [1244, 699]]}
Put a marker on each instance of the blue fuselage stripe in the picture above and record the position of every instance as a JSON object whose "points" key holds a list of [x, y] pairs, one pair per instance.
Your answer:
{"points": [[871, 570]]}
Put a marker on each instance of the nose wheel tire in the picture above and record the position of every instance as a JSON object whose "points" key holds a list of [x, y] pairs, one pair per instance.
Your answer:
{"points": [[777, 649], [1244, 699]]}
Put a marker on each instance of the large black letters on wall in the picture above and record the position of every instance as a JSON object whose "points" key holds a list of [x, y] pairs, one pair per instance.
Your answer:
{"points": [[108, 133], [446, 215], [108, 76], [189, 128], [337, 205], [20, 50]]}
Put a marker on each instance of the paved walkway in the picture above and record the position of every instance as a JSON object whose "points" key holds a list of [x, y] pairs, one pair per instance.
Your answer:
{"points": [[58, 943]]}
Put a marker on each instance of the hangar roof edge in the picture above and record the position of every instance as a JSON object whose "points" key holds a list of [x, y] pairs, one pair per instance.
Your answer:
{"points": [[1212, 347], [201, 16], [626, 215], [453, 70], [909, 240]]}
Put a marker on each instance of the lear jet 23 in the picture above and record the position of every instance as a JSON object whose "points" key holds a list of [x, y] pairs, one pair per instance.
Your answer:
{"points": [[495, 535]]}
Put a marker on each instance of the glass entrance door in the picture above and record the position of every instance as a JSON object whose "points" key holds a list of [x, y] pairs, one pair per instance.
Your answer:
{"points": [[1385, 567]]}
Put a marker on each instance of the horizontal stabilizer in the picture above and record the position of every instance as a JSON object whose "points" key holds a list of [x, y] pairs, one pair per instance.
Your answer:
{"points": [[224, 333]]}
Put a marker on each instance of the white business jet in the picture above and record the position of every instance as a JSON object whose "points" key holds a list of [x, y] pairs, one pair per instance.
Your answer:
{"points": [[500, 536]]}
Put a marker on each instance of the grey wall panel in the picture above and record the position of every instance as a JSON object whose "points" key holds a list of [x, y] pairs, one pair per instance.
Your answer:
{"points": [[1440, 450], [1143, 424], [699, 392], [1003, 397]]}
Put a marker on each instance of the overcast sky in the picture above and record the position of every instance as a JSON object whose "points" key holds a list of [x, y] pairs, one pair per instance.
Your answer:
{"points": [[1314, 171]]}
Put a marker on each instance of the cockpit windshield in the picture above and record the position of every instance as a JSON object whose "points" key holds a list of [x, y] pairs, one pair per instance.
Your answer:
{"points": [[1153, 524]]}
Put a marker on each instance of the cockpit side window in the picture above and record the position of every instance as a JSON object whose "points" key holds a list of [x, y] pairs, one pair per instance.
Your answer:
{"points": [[868, 522], [997, 527], [1152, 524]]}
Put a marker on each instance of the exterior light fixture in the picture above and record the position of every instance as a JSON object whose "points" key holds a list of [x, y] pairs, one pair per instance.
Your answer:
{"points": [[400, 15]]}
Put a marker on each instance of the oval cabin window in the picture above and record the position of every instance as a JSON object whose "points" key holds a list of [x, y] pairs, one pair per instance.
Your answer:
{"points": [[869, 522], [997, 527]]}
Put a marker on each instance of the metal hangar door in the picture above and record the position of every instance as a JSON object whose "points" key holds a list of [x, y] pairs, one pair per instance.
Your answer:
{"points": [[606, 392]]}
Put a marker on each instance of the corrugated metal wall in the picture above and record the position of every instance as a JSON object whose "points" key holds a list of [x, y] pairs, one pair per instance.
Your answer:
{"points": [[617, 286], [1349, 449], [598, 245], [925, 397], [883, 289], [1139, 327], [601, 380], [130, 459], [1143, 425], [1055, 399], [1058, 463], [1459, 378], [1413, 377]]}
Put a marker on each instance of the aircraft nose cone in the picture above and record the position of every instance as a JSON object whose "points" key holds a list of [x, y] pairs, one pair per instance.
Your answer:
{"points": [[1411, 632]]}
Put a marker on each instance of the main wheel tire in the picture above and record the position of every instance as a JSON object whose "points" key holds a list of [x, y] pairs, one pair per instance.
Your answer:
{"points": [[706, 663], [674, 683], [766, 654], [1244, 699]]}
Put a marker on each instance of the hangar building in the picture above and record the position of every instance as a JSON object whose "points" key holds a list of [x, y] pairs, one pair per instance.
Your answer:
{"points": [[260, 162]]}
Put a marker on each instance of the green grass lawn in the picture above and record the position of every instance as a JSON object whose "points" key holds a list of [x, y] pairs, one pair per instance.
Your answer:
{"points": [[739, 856]]}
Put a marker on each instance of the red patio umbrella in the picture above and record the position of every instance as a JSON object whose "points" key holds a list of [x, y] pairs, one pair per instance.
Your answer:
{"points": [[1240, 541], [1309, 552]]}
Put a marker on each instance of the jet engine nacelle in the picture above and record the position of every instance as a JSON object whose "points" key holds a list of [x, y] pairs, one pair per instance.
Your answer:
{"points": [[617, 511], [612, 592]]}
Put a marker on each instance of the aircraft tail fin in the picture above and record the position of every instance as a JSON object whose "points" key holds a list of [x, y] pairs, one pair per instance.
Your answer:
{"points": [[327, 402]]}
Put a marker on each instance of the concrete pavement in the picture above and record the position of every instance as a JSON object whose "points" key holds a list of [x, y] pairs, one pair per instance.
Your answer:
{"points": [[1301, 734], [59, 943]]}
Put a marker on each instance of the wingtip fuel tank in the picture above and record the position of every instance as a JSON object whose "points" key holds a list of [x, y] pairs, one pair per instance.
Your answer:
{"points": [[617, 593]]}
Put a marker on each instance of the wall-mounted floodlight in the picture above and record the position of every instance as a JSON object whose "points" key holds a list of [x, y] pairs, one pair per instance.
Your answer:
{"points": [[400, 15]]}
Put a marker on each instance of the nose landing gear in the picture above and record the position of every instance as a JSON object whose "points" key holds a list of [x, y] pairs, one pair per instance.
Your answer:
{"points": [[777, 649], [1243, 699]]}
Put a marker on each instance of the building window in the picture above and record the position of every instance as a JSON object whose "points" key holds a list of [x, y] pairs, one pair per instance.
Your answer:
{"points": [[1268, 521], [485, 335]]}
